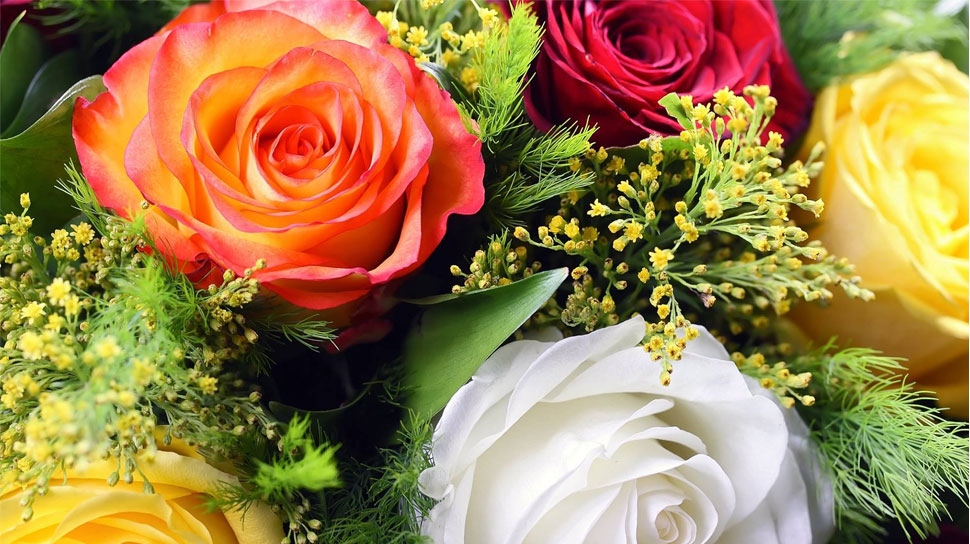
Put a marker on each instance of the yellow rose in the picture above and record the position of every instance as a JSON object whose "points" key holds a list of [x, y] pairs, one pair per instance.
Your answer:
{"points": [[86, 510], [895, 187]]}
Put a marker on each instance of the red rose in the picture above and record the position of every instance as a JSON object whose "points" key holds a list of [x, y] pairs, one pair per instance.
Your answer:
{"points": [[290, 132], [610, 62]]}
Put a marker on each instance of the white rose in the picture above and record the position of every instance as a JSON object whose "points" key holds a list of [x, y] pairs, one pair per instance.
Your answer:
{"points": [[577, 441]]}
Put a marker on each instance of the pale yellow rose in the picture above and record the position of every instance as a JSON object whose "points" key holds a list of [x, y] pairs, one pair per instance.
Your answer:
{"points": [[86, 510], [895, 187]]}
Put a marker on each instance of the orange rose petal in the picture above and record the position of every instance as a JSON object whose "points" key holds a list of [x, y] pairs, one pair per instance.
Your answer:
{"points": [[101, 128], [258, 227], [232, 249], [297, 167], [380, 79], [407, 253], [403, 63], [454, 183], [170, 240], [311, 294], [381, 85], [456, 160], [213, 107], [296, 69], [158, 186], [342, 200], [335, 104], [408, 158], [228, 216], [350, 175], [197, 50], [242, 5], [209, 120], [144, 168], [368, 245], [349, 170]]}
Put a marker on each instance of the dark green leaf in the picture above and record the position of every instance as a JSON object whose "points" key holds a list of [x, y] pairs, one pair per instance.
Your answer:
{"points": [[33, 160], [22, 54], [430, 301], [327, 421], [446, 80], [49, 83], [957, 49], [455, 337]]}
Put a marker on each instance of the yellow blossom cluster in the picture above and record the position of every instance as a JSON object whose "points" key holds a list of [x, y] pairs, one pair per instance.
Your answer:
{"points": [[673, 225], [94, 342], [776, 378], [439, 41], [498, 264]]}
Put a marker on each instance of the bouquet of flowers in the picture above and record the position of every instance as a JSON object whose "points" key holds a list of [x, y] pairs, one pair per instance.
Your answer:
{"points": [[459, 271]]}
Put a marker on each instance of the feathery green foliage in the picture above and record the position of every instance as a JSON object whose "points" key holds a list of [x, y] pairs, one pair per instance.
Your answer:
{"points": [[289, 327], [829, 39], [301, 465], [889, 453], [525, 167], [277, 326], [502, 67], [291, 480], [384, 503]]}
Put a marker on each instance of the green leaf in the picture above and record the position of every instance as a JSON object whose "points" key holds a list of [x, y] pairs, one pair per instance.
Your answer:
{"points": [[34, 160], [430, 301], [327, 421], [22, 54], [446, 80], [671, 103], [957, 49], [674, 143], [634, 154], [455, 337], [49, 83]]}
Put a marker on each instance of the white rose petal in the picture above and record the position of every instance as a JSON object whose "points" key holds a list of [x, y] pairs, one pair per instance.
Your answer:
{"points": [[577, 441]]}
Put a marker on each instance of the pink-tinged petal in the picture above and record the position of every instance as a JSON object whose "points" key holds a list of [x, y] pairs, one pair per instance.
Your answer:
{"points": [[103, 127], [406, 161], [102, 133], [346, 20], [199, 13], [381, 83], [311, 294], [230, 250], [298, 68], [455, 168], [365, 333], [168, 238], [149, 175], [407, 253]]}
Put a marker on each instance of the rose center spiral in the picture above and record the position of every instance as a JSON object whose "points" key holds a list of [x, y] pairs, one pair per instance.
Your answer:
{"points": [[293, 141]]}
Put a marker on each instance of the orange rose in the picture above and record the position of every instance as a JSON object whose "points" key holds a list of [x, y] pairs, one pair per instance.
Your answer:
{"points": [[289, 132]]}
